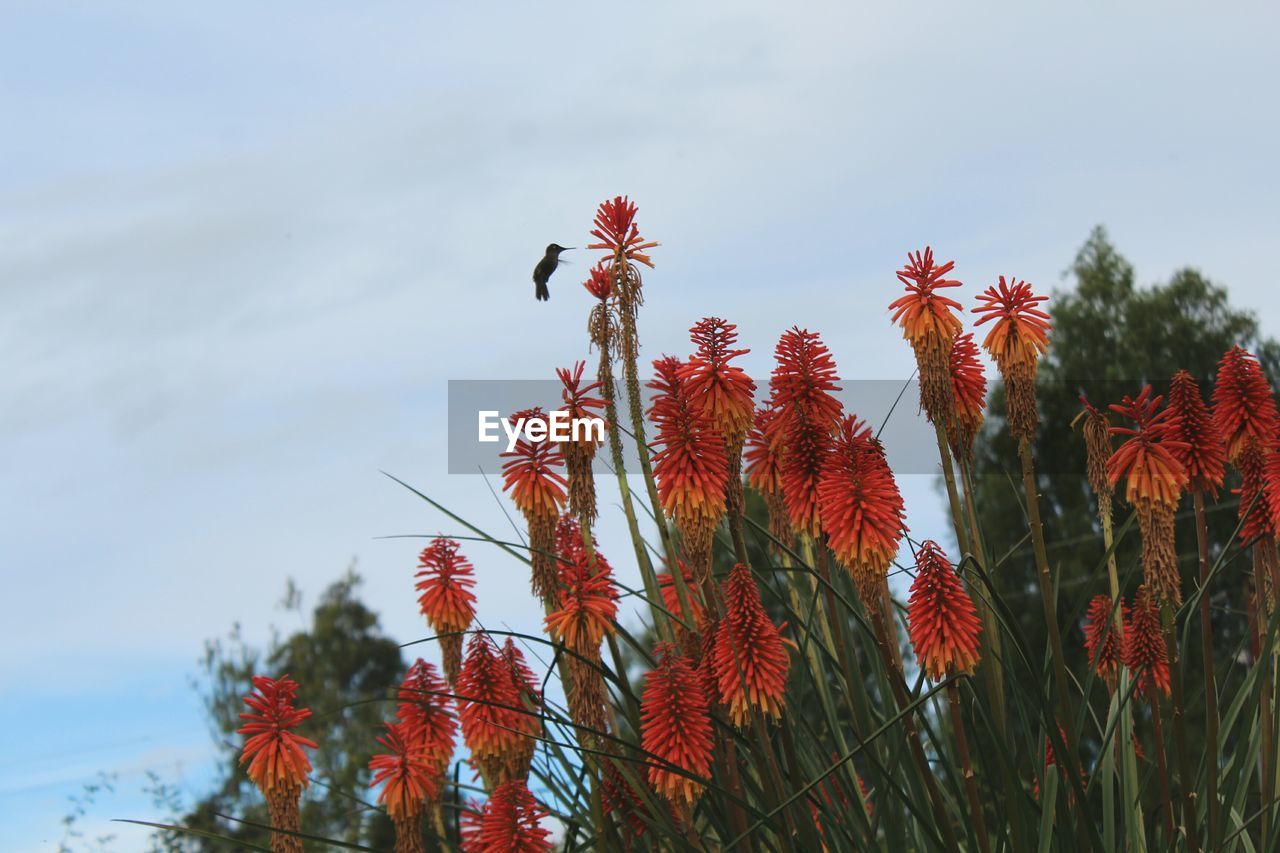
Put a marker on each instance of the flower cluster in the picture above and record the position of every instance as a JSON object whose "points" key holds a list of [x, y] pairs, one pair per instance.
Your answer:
{"points": [[1103, 639], [538, 490], [580, 450], [618, 233], [862, 509], [928, 323], [675, 727], [969, 396], [1016, 340], [941, 619], [510, 822], [445, 579], [498, 710], [750, 662]]}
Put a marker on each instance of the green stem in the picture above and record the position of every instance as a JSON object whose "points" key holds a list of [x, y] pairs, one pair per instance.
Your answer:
{"points": [[1210, 686], [1185, 780]]}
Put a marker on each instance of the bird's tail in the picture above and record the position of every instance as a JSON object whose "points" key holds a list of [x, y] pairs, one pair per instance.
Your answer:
{"points": [[542, 293]]}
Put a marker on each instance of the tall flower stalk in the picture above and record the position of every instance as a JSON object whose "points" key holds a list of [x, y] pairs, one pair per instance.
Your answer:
{"points": [[1018, 337], [445, 580]]}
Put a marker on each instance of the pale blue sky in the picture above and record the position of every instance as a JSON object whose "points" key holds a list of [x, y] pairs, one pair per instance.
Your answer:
{"points": [[243, 247]]}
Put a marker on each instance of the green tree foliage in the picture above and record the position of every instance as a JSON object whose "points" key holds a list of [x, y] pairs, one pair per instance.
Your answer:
{"points": [[1110, 336], [346, 667]]}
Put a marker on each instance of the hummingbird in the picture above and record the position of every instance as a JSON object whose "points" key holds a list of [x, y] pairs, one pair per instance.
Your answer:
{"points": [[542, 272]]}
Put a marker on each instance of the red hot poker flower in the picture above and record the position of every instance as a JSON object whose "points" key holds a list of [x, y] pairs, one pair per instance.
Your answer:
{"points": [[273, 751], [578, 452], [509, 823], [1148, 456], [763, 458], [803, 381], [928, 323], [617, 231], [1155, 482], [675, 726], [969, 393], [531, 476], [1021, 331], [538, 490], [671, 595], [599, 281], [407, 771], [923, 313], [445, 578], [1244, 408], [1102, 639], [1016, 341], [941, 619], [751, 662], [425, 716], [720, 390], [1204, 454], [862, 509], [495, 723], [691, 468], [588, 600], [1144, 649]]}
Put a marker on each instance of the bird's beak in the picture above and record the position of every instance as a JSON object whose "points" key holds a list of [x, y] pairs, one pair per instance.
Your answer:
{"points": [[568, 248]]}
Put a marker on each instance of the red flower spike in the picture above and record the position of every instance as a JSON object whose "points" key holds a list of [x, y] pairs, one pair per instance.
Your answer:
{"points": [[445, 581], [273, 751], [862, 509], [1102, 639], [617, 231], [578, 402], [599, 282], [764, 452], [1144, 649], [1148, 456], [675, 727], [969, 394], [425, 715], [509, 823], [496, 724], [1021, 331], [941, 619], [1244, 408], [923, 313], [1204, 455], [802, 383], [751, 663], [408, 772], [588, 598], [531, 476], [718, 389], [691, 467]]}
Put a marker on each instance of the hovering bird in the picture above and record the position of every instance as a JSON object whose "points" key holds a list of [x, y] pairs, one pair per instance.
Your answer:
{"points": [[542, 272]]}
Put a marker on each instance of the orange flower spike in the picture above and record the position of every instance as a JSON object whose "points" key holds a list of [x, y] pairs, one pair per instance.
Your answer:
{"points": [[969, 394], [599, 282], [1017, 339], [675, 726], [406, 769], [941, 619], [923, 313], [720, 390], [1101, 639], [273, 751], [588, 599], [1204, 455], [510, 822], [490, 711], [424, 713], [862, 509], [1244, 409], [617, 231], [1148, 456], [531, 476], [445, 581], [578, 402], [691, 468], [763, 454], [751, 662], [803, 382], [1144, 649], [1021, 331]]}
